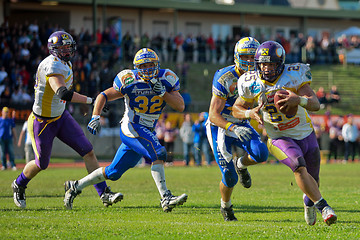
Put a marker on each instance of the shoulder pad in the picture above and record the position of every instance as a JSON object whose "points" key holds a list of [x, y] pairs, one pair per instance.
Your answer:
{"points": [[170, 76], [126, 77], [55, 67]]}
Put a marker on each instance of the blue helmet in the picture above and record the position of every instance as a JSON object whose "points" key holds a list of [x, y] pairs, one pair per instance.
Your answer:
{"points": [[270, 52], [56, 42], [245, 46], [146, 55]]}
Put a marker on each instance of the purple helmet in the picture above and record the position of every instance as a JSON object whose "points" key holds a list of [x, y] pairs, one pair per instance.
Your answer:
{"points": [[59, 39], [270, 52]]}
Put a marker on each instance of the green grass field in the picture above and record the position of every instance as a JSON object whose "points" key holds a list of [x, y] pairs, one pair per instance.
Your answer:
{"points": [[271, 209]]}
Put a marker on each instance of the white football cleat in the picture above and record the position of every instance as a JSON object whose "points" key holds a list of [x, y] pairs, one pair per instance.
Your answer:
{"points": [[310, 214], [70, 193], [169, 201], [328, 215], [19, 195], [109, 198]]}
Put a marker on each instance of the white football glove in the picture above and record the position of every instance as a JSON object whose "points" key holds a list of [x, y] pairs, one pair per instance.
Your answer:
{"points": [[94, 125], [243, 133], [157, 87]]}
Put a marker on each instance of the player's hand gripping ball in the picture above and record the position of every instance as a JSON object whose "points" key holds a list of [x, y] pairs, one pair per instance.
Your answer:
{"points": [[288, 111]]}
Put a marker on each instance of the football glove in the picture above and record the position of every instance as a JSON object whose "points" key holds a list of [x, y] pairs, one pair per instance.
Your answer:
{"points": [[157, 87], [243, 133], [94, 126]]}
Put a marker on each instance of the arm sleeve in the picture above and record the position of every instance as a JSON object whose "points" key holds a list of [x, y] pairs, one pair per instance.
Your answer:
{"points": [[64, 94]]}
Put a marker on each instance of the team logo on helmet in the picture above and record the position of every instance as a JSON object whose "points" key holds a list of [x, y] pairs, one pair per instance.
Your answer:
{"points": [[265, 51], [279, 52], [53, 39]]}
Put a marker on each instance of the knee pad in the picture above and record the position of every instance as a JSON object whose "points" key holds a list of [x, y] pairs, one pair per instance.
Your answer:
{"points": [[262, 153], [230, 178], [161, 154], [112, 174]]}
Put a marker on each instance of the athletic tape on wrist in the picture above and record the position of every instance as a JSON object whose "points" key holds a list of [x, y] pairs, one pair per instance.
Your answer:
{"points": [[88, 100], [229, 125]]}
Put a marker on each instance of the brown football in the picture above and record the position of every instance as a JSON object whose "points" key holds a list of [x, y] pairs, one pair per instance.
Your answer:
{"points": [[292, 111]]}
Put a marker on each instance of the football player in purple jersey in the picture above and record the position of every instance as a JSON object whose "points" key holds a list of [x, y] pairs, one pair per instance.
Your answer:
{"points": [[146, 89], [292, 138], [49, 119], [224, 130]]}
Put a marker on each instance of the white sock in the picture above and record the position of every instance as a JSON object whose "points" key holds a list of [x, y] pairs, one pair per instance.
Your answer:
{"points": [[240, 164], [318, 201], [158, 174], [225, 204], [95, 177]]}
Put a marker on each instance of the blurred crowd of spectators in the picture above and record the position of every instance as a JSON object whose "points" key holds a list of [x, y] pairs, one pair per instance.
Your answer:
{"points": [[330, 98], [210, 49], [343, 144], [24, 46], [193, 136], [100, 58]]}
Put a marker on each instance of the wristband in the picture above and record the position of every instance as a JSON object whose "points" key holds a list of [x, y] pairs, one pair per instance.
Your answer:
{"points": [[303, 101], [247, 113], [89, 100], [229, 125], [102, 93]]}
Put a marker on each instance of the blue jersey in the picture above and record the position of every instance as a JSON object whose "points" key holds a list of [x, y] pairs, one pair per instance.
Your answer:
{"points": [[225, 87], [142, 111], [6, 124], [222, 140], [142, 105]]}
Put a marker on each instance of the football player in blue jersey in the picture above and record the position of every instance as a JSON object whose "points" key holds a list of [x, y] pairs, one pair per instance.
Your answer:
{"points": [[146, 89], [223, 130]]}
